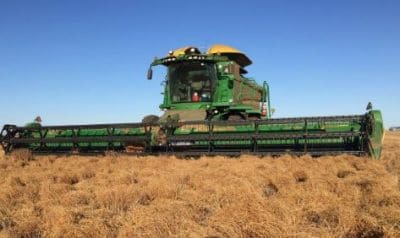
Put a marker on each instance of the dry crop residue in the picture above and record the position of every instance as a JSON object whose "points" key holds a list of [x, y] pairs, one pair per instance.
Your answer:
{"points": [[122, 196]]}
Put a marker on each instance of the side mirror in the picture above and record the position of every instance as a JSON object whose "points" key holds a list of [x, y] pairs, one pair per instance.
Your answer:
{"points": [[150, 74]]}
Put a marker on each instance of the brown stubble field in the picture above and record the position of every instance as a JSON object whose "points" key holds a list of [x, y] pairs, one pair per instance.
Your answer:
{"points": [[125, 196]]}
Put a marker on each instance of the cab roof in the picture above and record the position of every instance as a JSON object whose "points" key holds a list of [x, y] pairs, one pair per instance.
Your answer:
{"points": [[216, 50]]}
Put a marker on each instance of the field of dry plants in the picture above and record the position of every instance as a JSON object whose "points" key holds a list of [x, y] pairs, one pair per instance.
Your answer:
{"points": [[125, 196]]}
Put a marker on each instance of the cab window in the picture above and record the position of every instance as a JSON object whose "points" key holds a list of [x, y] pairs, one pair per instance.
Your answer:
{"points": [[190, 81]]}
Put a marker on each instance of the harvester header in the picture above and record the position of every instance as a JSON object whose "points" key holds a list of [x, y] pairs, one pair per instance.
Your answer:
{"points": [[209, 108]]}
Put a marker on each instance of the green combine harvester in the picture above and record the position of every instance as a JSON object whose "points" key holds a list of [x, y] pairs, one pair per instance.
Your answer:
{"points": [[210, 108]]}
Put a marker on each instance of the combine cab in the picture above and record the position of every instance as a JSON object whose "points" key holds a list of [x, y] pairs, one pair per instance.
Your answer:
{"points": [[210, 108]]}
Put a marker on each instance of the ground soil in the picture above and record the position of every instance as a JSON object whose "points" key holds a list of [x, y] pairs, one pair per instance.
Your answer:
{"points": [[125, 196]]}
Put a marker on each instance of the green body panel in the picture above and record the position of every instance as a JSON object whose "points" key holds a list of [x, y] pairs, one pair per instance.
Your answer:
{"points": [[376, 134]]}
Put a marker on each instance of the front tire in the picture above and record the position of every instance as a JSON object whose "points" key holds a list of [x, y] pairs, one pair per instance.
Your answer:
{"points": [[149, 119]]}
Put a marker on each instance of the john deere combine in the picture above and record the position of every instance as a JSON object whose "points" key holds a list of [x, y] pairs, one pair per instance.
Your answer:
{"points": [[210, 108]]}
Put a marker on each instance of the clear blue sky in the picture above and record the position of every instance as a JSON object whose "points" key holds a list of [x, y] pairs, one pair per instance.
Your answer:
{"points": [[86, 61]]}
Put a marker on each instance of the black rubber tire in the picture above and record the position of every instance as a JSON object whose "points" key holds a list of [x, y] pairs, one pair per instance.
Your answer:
{"points": [[236, 117], [253, 117], [150, 119]]}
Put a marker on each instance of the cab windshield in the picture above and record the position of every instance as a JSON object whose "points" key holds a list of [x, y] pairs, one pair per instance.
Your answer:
{"points": [[191, 81]]}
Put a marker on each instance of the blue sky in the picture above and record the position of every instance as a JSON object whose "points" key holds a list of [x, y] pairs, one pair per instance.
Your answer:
{"points": [[86, 61]]}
